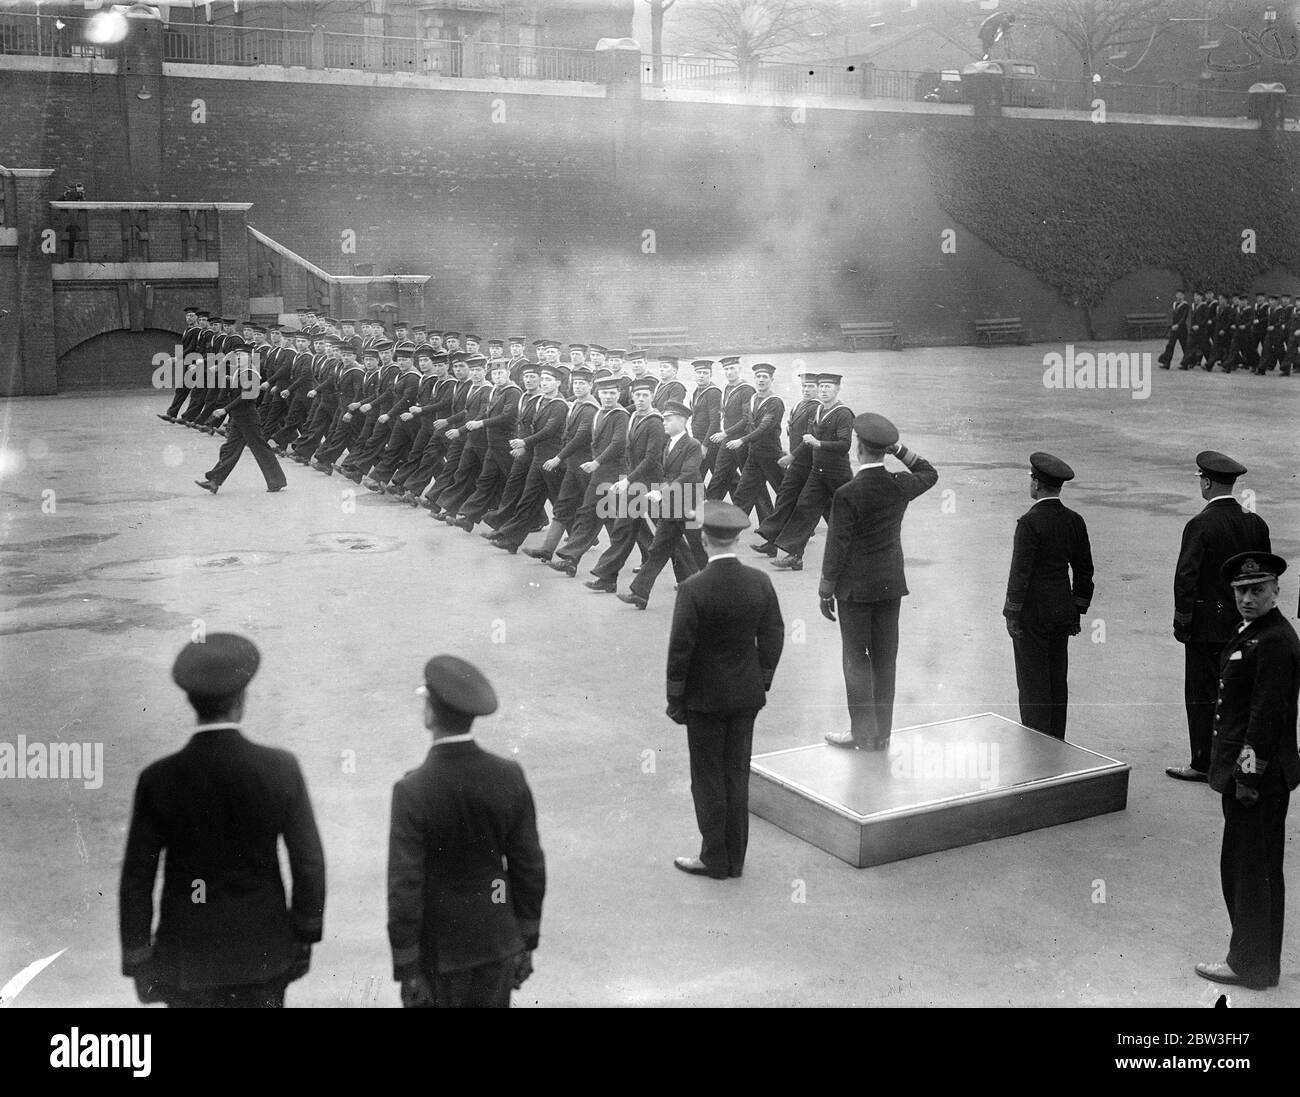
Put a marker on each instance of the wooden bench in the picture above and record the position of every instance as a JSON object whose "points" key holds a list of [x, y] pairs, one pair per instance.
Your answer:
{"points": [[1002, 329], [878, 329], [1138, 325], [650, 338]]}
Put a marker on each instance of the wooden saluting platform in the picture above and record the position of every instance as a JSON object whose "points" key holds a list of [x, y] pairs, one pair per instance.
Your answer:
{"points": [[950, 783]]}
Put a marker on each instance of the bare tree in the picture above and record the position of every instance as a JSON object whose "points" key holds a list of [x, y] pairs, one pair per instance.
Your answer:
{"points": [[750, 31], [658, 8], [1095, 27]]}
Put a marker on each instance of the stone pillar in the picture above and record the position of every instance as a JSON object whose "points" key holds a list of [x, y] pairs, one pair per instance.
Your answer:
{"points": [[1267, 105], [27, 364], [316, 51], [140, 87], [232, 258]]}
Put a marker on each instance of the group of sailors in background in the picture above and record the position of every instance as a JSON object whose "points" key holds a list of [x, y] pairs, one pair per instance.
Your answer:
{"points": [[1227, 330]]}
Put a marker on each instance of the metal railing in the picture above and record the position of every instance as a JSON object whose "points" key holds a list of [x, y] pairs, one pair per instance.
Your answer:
{"points": [[47, 36], [202, 44], [211, 44]]}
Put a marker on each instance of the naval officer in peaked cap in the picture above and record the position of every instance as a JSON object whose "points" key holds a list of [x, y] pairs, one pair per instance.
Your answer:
{"points": [[466, 874], [216, 809]]}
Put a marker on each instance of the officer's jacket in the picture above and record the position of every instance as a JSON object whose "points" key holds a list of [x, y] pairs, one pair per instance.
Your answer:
{"points": [[466, 874], [1203, 602], [216, 808], [863, 561], [1255, 714], [1051, 566]]}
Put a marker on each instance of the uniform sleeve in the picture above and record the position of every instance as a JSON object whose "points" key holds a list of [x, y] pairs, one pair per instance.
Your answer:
{"points": [[769, 422], [741, 426], [1190, 553], [843, 437], [1272, 693], [681, 644], [526, 867], [714, 410], [920, 477], [1081, 571], [144, 842], [306, 863], [581, 437], [650, 465], [405, 883], [843, 520], [617, 445], [1023, 552], [771, 636]]}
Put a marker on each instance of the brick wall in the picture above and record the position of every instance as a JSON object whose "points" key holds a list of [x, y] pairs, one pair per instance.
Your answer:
{"points": [[768, 232]]}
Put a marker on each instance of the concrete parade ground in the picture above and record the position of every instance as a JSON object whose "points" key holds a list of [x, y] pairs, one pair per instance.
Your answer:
{"points": [[111, 558]]}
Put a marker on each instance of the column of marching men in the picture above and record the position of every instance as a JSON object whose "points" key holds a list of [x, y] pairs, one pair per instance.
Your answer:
{"points": [[605, 439], [1229, 331]]}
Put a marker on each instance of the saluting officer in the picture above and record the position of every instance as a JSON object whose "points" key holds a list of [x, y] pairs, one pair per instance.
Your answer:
{"points": [[1205, 613], [466, 873], [862, 575], [217, 809], [1255, 766], [1049, 589]]}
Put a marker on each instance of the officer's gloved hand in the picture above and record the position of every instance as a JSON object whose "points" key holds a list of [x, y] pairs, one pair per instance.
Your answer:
{"points": [[1182, 633], [827, 605], [1077, 627], [1247, 797], [1014, 628], [676, 712]]}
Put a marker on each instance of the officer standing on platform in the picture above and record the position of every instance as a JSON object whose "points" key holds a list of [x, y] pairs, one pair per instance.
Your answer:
{"points": [[1254, 765], [862, 575], [466, 874], [723, 650], [1205, 612], [1049, 589], [217, 809]]}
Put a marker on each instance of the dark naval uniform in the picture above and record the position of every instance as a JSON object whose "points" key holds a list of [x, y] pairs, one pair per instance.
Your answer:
{"points": [[466, 873], [862, 570], [217, 809], [1205, 612], [1050, 587], [1255, 766], [726, 640]]}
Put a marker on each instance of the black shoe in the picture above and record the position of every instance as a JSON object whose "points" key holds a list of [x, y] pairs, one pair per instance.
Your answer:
{"points": [[765, 548], [538, 554], [696, 867], [208, 485], [512, 549], [489, 534], [1186, 773], [166, 418], [280, 488], [632, 600], [467, 524], [789, 563], [565, 567], [602, 586]]}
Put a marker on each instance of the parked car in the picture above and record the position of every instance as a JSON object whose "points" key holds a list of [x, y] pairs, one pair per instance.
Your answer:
{"points": [[1021, 84]]}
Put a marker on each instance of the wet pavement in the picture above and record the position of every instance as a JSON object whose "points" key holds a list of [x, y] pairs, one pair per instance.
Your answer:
{"points": [[110, 559]]}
